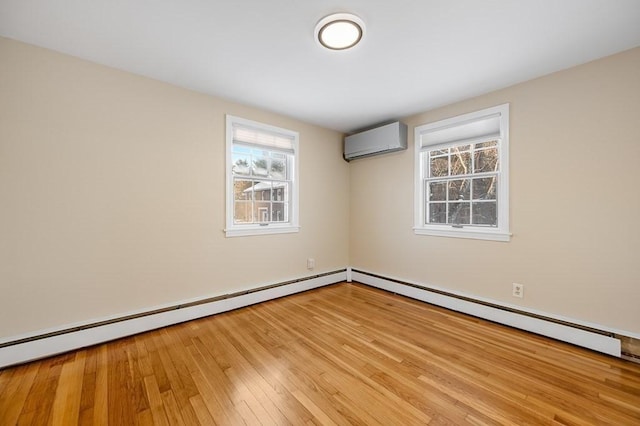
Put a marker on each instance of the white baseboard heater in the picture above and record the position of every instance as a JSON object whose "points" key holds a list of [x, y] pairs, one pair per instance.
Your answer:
{"points": [[579, 335], [21, 349]]}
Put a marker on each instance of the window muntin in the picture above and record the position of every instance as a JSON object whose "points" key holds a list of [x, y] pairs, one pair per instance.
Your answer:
{"points": [[462, 176], [261, 178]]}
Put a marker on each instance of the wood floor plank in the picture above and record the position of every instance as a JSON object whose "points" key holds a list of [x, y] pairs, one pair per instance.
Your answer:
{"points": [[38, 407], [182, 385], [121, 399], [144, 418], [270, 392], [5, 377], [305, 384], [201, 410], [319, 414], [341, 354], [66, 406], [16, 392], [154, 397], [88, 392], [101, 397], [210, 379], [210, 394], [371, 395]]}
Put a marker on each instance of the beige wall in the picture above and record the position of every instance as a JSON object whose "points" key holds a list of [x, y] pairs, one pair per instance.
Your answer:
{"points": [[112, 198], [112, 195], [575, 204]]}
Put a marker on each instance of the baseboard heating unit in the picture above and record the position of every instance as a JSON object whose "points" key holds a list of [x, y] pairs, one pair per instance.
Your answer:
{"points": [[539, 323]]}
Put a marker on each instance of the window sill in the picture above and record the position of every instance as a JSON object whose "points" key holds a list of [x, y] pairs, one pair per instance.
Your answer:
{"points": [[261, 230], [475, 234]]}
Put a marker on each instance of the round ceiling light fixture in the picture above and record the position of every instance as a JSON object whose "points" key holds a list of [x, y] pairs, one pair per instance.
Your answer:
{"points": [[339, 31]]}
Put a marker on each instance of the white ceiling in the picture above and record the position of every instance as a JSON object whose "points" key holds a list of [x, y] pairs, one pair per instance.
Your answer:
{"points": [[416, 54]]}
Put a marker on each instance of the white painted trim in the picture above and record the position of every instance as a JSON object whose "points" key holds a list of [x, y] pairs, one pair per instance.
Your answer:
{"points": [[502, 232], [349, 276], [233, 230], [576, 336], [471, 233], [264, 230], [36, 349]]}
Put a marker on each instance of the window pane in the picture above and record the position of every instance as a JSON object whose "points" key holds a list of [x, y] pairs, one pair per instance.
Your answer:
{"points": [[280, 191], [279, 212], [260, 163], [437, 191], [459, 213], [460, 162], [459, 189], [439, 152], [242, 212], [439, 166], [486, 144], [240, 164], [437, 213], [262, 211], [486, 160], [484, 188], [485, 213], [262, 191], [278, 168], [241, 150], [242, 189]]}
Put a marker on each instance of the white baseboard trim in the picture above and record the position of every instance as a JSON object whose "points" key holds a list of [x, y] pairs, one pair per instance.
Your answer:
{"points": [[98, 331], [535, 324], [21, 349]]}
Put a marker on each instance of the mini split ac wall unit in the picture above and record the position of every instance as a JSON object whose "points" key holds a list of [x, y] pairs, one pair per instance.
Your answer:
{"points": [[380, 140]]}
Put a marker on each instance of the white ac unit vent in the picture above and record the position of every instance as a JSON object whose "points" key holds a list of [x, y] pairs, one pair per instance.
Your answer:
{"points": [[381, 140]]}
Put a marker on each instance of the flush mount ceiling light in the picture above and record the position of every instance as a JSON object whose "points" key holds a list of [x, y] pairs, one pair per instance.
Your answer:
{"points": [[339, 31]]}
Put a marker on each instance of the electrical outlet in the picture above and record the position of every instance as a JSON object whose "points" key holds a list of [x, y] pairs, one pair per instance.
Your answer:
{"points": [[518, 290], [311, 263]]}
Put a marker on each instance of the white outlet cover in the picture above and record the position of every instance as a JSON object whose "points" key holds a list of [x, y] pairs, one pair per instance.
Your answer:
{"points": [[518, 290]]}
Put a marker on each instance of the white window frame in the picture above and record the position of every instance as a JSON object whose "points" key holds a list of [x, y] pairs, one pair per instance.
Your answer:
{"points": [[238, 230], [457, 133]]}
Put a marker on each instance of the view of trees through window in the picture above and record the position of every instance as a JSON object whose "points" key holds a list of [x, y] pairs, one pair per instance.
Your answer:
{"points": [[260, 185], [461, 184]]}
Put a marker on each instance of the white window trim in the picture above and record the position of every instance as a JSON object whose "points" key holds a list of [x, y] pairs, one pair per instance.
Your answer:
{"points": [[233, 230], [501, 232]]}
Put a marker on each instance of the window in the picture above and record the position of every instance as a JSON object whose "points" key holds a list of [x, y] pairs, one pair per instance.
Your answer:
{"points": [[262, 184], [462, 176]]}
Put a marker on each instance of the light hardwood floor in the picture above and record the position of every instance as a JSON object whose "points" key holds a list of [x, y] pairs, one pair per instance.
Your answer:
{"points": [[343, 354]]}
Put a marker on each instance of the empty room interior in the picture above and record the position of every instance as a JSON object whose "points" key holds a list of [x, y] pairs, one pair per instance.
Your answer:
{"points": [[320, 213]]}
